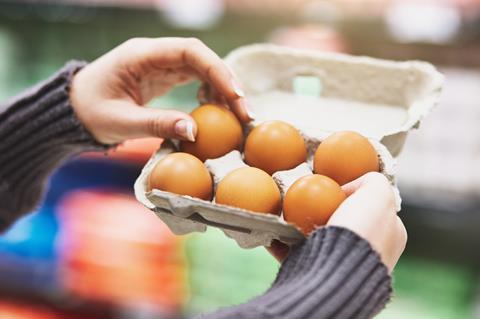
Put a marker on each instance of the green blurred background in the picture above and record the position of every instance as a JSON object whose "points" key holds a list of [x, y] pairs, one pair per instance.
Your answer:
{"points": [[439, 177]]}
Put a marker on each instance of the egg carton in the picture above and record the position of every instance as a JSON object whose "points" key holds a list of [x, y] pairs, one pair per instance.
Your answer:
{"points": [[381, 99]]}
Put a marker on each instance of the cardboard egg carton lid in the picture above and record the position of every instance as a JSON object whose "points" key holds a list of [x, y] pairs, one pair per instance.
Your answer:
{"points": [[323, 91], [380, 99]]}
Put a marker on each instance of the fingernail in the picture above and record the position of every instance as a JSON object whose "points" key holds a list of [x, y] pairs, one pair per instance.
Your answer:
{"points": [[184, 128], [238, 90], [250, 113]]}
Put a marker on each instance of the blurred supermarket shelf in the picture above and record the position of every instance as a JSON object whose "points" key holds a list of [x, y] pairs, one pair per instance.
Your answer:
{"points": [[95, 3], [439, 180], [310, 10], [439, 174], [32, 304], [444, 154], [360, 7]]}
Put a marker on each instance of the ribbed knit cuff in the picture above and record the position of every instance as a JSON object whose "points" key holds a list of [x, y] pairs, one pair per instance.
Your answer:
{"points": [[334, 274], [38, 130]]}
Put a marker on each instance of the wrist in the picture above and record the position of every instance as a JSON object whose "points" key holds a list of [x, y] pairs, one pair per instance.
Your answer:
{"points": [[77, 97]]}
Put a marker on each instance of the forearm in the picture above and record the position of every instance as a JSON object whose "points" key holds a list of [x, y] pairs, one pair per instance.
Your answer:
{"points": [[336, 274], [38, 130]]}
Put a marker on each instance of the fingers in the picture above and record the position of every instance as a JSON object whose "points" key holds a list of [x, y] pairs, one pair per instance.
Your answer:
{"points": [[370, 197], [164, 53], [393, 245], [278, 250], [207, 94], [369, 179], [352, 186], [241, 110], [212, 68], [402, 237]]}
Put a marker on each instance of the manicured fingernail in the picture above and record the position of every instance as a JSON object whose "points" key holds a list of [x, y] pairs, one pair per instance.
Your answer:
{"points": [[250, 113], [238, 90], [184, 128]]}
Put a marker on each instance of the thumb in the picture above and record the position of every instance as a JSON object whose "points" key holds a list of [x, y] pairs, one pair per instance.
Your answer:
{"points": [[126, 121], [167, 124], [353, 186]]}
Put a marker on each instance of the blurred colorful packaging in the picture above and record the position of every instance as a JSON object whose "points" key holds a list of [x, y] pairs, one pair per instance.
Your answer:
{"points": [[112, 249], [28, 256], [11, 310]]}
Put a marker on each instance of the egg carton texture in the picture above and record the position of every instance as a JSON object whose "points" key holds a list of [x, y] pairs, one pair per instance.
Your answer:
{"points": [[381, 99], [185, 214]]}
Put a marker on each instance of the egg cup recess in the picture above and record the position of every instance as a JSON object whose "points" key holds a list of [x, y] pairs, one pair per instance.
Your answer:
{"points": [[185, 214], [265, 70]]}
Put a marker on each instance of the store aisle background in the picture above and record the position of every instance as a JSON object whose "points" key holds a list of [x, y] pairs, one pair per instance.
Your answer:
{"points": [[76, 257]]}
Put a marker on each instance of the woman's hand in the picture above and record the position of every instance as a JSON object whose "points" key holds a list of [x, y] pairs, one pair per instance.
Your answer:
{"points": [[369, 211], [108, 94]]}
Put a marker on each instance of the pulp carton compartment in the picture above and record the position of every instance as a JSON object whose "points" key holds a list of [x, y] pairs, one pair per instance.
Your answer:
{"points": [[318, 93]]}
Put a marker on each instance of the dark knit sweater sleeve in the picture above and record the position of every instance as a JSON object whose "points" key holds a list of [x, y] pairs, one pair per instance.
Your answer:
{"points": [[333, 274], [38, 130]]}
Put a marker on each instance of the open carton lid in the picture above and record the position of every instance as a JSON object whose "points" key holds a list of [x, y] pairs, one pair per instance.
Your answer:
{"points": [[324, 92], [318, 93]]}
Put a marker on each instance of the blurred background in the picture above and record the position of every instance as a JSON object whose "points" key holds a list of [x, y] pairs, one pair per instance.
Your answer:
{"points": [[91, 251]]}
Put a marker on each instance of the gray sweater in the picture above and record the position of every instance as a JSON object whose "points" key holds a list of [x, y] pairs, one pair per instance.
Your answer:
{"points": [[333, 274]]}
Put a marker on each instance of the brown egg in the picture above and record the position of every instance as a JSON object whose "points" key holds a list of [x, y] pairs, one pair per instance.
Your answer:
{"points": [[275, 146], [310, 202], [345, 156], [182, 174], [249, 188], [218, 132]]}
